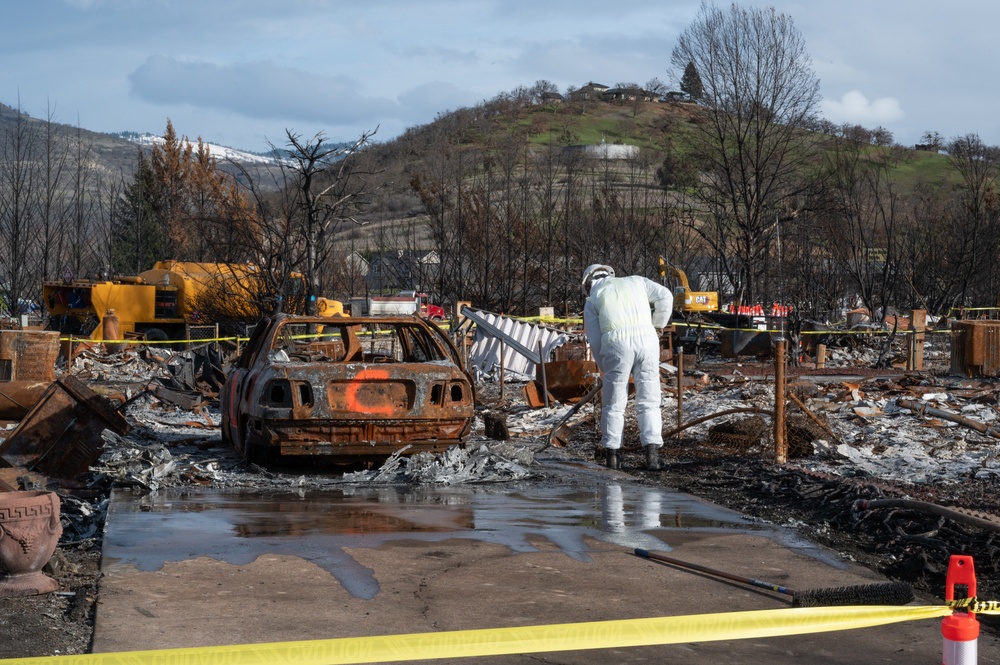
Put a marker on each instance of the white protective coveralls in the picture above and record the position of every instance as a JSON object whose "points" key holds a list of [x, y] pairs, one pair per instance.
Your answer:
{"points": [[622, 332]]}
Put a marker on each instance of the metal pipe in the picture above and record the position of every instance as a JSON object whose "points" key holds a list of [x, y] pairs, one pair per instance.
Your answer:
{"points": [[923, 409], [780, 445], [502, 354], [680, 391], [545, 384]]}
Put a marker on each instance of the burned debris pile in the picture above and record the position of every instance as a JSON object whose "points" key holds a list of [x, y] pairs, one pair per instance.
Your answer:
{"points": [[487, 462], [145, 419]]}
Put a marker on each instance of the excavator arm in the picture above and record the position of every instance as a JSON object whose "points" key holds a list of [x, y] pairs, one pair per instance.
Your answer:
{"points": [[693, 301]]}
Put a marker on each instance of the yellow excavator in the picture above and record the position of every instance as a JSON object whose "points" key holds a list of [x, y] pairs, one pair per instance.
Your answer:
{"points": [[689, 301]]}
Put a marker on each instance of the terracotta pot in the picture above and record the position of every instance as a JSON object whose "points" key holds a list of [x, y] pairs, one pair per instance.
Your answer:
{"points": [[29, 532]]}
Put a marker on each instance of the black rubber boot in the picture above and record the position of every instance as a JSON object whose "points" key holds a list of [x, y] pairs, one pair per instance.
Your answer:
{"points": [[653, 458], [611, 458]]}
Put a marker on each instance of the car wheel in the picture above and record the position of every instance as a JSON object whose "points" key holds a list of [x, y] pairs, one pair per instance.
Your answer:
{"points": [[155, 335]]}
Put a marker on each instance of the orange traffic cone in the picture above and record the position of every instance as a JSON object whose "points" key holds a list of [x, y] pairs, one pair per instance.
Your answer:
{"points": [[961, 629]]}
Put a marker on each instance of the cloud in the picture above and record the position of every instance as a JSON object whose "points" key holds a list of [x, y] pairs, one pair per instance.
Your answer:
{"points": [[423, 102], [440, 54], [855, 108], [258, 90]]}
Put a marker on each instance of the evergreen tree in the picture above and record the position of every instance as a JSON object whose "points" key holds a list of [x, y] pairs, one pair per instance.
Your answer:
{"points": [[139, 236], [691, 82]]}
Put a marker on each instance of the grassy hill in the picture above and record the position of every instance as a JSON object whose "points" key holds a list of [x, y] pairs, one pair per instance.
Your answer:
{"points": [[111, 154]]}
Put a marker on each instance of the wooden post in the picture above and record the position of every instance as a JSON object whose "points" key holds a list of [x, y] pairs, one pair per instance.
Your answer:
{"points": [[820, 356], [680, 391], [918, 324], [780, 445]]}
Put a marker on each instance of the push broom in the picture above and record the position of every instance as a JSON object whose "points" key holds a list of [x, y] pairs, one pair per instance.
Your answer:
{"points": [[881, 593]]}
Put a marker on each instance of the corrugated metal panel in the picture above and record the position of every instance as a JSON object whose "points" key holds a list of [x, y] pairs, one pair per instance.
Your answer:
{"points": [[521, 342]]}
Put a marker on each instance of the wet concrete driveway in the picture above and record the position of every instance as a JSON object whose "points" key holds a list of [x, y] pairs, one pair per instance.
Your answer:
{"points": [[200, 568]]}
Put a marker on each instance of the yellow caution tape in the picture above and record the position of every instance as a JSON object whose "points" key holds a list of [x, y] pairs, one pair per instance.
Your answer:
{"points": [[204, 340], [976, 606], [127, 342], [832, 333], [548, 319], [446, 326], [972, 309], [523, 640]]}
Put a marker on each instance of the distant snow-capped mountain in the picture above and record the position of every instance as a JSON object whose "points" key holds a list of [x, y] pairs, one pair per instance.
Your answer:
{"points": [[220, 152]]}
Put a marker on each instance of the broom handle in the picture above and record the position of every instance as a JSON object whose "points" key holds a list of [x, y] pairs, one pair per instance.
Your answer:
{"points": [[718, 573]]}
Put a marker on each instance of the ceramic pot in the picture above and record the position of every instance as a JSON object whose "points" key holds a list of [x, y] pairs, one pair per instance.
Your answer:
{"points": [[29, 532]]}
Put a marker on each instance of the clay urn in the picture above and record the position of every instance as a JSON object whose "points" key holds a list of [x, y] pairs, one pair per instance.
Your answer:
{"points": [[29, 532]]}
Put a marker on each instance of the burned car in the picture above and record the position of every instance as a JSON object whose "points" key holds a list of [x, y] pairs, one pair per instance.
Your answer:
{"points": [[345, 390]]}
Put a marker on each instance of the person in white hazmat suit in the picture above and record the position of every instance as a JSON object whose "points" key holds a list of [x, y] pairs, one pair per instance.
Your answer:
{"points": [[623, 333]]}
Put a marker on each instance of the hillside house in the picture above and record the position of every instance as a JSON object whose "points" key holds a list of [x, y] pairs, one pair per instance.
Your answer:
{"points": [[627, 95], [590, 91]]}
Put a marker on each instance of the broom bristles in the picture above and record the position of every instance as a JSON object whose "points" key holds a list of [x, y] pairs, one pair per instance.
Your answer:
{"points": [[885, 593]]}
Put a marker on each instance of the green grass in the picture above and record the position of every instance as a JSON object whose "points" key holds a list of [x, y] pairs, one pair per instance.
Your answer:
{"points": [[925, 167]]}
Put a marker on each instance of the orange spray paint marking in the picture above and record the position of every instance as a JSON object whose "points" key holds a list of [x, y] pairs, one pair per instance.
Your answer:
{"points": [[351, 394]]}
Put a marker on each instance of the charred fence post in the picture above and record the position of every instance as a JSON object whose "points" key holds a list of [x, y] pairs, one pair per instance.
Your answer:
{"points": [[780, 445], [680, 391]]}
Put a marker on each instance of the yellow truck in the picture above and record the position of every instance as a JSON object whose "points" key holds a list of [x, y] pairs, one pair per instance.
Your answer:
{"points": [[163, 301]]}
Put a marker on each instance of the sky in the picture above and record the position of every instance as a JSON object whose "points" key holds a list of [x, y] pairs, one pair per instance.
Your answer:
{"points": [[241, 73]]}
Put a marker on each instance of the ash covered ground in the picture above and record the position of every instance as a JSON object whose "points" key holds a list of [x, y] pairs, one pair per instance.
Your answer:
{"points": [[849, 441]]}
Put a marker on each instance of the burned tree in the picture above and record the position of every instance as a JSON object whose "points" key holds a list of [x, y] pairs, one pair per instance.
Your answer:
{"points": [[867, 216], [19, 204], [330, 190], [759, 92]]}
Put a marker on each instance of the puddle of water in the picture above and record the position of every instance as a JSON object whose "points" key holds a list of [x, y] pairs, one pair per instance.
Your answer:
{"points": [[237, 527]]}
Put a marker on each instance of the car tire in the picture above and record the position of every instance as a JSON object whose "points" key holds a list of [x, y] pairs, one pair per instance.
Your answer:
{"points": [[155, 335]]}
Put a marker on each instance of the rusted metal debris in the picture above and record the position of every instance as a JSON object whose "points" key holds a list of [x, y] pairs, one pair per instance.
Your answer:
{"points": [[495, 426], [17, 397], [737, 343], [28, 355], [975, 348], [357, 389], [567, 382], [61, 434], [27, 369]]}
